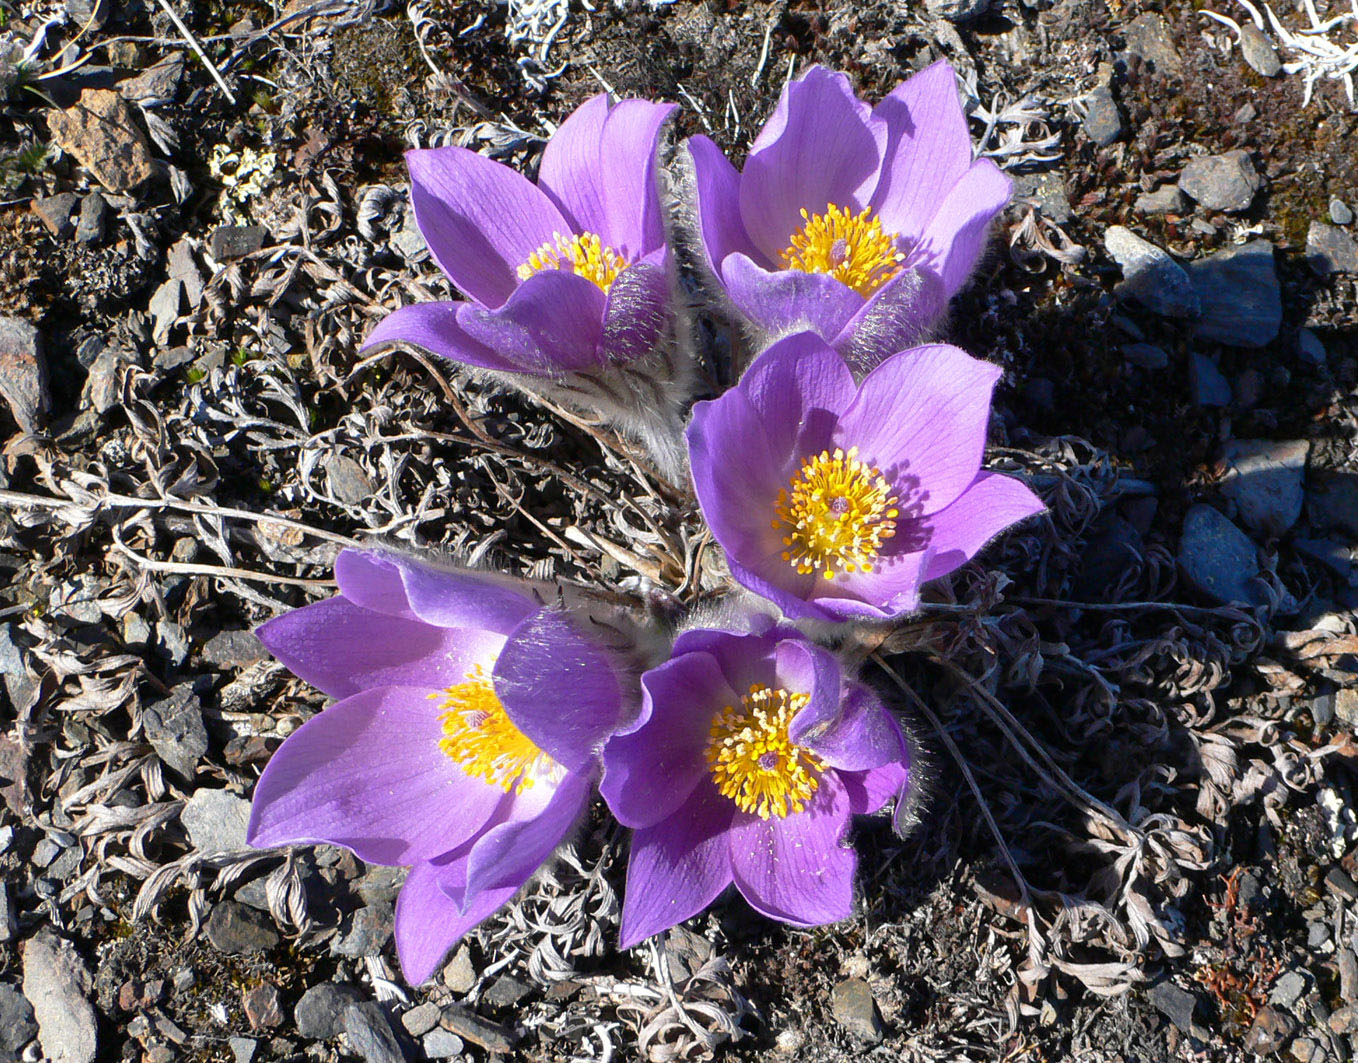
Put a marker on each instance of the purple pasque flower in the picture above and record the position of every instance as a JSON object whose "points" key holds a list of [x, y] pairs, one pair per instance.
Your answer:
{"points": [[749, 756], [857, 223], [464, 742], [837, 500], [564, 276]]}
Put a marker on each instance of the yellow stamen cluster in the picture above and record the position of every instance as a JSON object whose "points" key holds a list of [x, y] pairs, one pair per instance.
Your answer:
{"points": [[852, 248], [584, 254], [481, 738], [837, 515], [752, 760]]}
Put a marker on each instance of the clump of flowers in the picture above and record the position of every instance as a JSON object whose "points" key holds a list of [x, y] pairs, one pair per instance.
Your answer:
{"points": [[840, 474]]}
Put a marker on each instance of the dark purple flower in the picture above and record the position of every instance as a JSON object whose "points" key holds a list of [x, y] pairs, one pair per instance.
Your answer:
{"points": [[857, 223], [562, 277], [750, 754], [837, 501], [464, 742]]}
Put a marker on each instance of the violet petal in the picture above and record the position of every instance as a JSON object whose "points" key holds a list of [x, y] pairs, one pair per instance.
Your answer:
{"points": [[717, 195], [928, 149], [637, 314], [818, 147], [921, 417], [992, 503], [789, 301], [676, 868], [627, 153], [793, 869], [367, 773], [506, 855], [429, 922], [559, 688], [570, 172], [481, 219], [341, 649], [651, 771], [860, 734], [870, 790], [433, 327], [956, 236], [551, 325]]}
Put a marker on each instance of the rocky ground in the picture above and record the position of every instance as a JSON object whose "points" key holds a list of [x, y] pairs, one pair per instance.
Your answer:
{"points": [[1140, 840]]}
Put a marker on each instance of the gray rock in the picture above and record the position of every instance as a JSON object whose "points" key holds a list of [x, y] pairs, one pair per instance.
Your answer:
{"points": [[165, 307], [230, 242], [170, 640], [236, 930], [1239, 294], [57, 985], [408, 241], [216, 821], [233, 649], [1150, 276], [1348, 975], [1226, 182], [1148, 39], [956, 10], [460, 975], [348, 482], [23, 373], [262, 1007], [1209, 385], [1333, 502], [1346, 707], [1102, 121], [156, 84], [1287, 990], [1338, 556], [1321, 708], [1340, 212], [1174, 1003], [1264, 477], [1344, 1020], [172, 358], [1048, 190], [17, 1026], [1146, 355], [370, 1033], [1317, 935], [319, 1015], [1310, 348], [101, 386], [1270, 1030], [419, 1021], [93, 223], [181, 266], [1331, 250], [1216, 557], [1167, 199], [7, 921], [242, 1048], [102, 133], [55, 212], [1258, 51], [175, 729], [853, 1008], [506, 991], [1245, 113], [89, 14], [471, 1027], [368, 931], [442, 1044]]}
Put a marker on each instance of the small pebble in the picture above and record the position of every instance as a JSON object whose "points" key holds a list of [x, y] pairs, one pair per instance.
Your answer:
{"points": [[853, 1008], [442, 1044], [1340, 213], [1339, 881], [1270, 1030], [1344, 1020], [419, 1021]]}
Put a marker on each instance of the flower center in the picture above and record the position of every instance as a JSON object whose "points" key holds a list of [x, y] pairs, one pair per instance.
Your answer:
{"points": [[481, 739], [753, 762], [584, 254], [836, 513], [852, 248]]}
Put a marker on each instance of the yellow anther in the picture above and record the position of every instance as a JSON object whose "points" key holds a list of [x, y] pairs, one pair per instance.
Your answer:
{"points": [[482, 740], [835, 514], [752, 760], [583, 254], [852, 248]]}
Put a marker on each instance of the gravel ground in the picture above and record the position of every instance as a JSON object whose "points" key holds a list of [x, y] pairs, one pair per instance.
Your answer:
{"points": [[1139, 839]]}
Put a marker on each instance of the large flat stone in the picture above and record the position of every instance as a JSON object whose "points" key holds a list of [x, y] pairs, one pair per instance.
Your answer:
{"points": [[1217, 558], [102, 134], [1238, 293], [23, 373], [1264, 477]]}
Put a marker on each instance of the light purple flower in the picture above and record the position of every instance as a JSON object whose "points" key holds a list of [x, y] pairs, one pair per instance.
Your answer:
{"points": [[464, 742], [837, 501], [750, 754], [565, 276], [857, 223]]}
